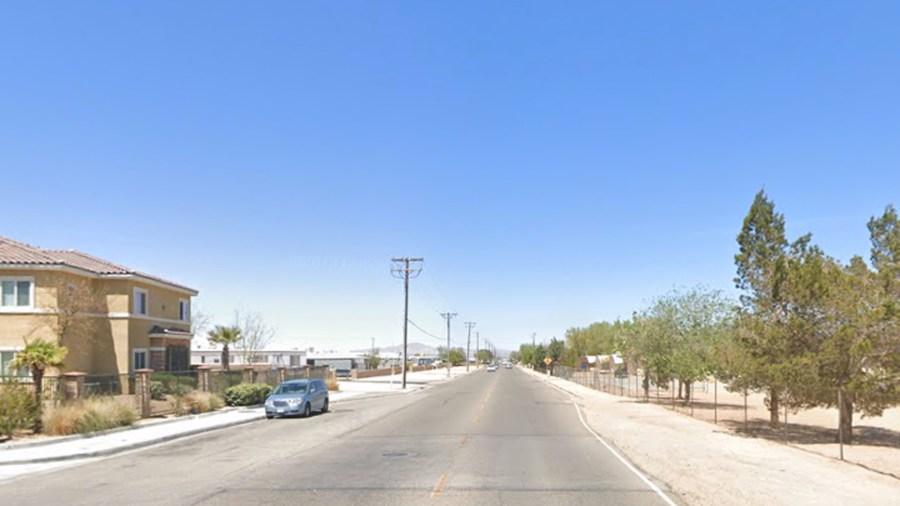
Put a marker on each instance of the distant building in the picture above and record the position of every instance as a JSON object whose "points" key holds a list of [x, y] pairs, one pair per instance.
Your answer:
{"points": [[604, 362], [342, 364], [272, 358]]}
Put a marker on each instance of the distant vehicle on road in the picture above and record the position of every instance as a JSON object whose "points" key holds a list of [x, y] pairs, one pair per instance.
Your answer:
{"points": [[297, 397], [492, 368], [508, 365]]}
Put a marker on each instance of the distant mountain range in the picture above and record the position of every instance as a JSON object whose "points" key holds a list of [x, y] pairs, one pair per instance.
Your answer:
{"points": [[412, 349], [422, 350]]}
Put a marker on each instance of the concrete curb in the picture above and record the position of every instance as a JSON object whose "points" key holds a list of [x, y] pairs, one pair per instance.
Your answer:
{"points": [[129, 446], [73, 437]]}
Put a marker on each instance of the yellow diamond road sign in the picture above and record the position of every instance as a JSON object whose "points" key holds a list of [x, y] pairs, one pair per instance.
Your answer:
{"points": [[548, 360]]}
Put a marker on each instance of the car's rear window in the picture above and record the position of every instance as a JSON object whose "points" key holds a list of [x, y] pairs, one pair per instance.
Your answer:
{"points": [[291, 388]]}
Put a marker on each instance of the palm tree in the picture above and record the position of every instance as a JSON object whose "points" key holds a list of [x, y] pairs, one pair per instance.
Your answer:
{"points": [[37, 356], [226, 336]]}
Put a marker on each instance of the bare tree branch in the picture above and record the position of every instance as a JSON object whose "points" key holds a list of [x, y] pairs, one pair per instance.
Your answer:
{"points": [[256, 335]]}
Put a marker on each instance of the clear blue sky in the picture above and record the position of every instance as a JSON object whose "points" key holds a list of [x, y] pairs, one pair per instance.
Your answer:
{"points": [[556, 163]]}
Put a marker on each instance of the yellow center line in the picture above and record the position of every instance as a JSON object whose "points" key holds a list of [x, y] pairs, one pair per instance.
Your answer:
{"points": [[439, 487]]}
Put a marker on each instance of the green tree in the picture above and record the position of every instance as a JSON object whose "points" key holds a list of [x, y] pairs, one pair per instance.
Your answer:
{"points": [[38, 356], [457, 356], [226, 336], [526, 354], [595, 339], [653, 337], [762, 270], [540, 353], [555, 351], [848, 315], [701, 321], [372, 360], [484, 356], [885, 237]]}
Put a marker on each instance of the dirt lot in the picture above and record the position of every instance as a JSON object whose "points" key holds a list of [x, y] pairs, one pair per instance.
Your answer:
{"points": [[707, 464], [876, 443]]}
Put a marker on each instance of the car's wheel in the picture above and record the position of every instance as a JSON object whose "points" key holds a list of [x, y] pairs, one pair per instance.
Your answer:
{"points": [[306, 410], [269, 417], [325, 406]]}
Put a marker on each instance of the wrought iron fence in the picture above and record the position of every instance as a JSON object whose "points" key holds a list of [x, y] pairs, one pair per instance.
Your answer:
{"points": [[108, 385], [51, 386]]}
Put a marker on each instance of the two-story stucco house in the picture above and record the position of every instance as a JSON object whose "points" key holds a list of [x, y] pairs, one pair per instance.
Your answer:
{"points": [[112, 319]]}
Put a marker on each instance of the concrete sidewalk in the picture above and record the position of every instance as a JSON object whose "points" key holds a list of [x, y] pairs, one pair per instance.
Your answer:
{"points": [[123, 439], [146, 433]]}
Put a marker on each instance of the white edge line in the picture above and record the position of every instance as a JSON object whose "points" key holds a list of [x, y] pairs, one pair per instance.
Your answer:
{"points": [[612, 450]]}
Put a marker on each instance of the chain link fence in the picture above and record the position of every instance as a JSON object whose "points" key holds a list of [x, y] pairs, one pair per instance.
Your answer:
{"points": [[876, 440]]}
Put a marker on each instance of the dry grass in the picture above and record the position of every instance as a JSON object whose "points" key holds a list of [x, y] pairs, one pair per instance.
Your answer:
{"points": [[333, 385], [90, 415], [203, 401]]}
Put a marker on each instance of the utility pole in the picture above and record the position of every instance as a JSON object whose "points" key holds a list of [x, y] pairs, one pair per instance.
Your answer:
{"points": [[469, 326], [405, 268], [532, 339], [448, 317]]}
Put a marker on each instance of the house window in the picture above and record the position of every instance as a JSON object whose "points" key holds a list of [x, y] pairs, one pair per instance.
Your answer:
{"points": [[6, 370], [184, 310], [140, 301], [139, 360], [16, 293]]}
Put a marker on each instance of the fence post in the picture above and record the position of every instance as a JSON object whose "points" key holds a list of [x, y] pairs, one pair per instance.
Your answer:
{"points": [[142, 386], [203, 378], [745, 407], [716, 401], [74, 385]]}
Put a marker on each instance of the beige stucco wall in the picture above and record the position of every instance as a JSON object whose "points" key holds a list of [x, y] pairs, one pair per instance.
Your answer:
{"points": [[114, 334], [16, 326], [162, 303]]}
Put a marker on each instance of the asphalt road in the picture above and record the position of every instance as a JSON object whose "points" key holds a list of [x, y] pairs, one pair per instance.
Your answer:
{"points": [[486, 438]]}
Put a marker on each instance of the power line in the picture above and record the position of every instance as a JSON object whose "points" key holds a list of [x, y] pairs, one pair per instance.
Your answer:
{"points": [[429, 334]]}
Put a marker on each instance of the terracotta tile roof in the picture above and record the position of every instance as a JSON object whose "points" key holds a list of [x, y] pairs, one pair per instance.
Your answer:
{"points": [[13, 252], [86, 262], [17, 253]]}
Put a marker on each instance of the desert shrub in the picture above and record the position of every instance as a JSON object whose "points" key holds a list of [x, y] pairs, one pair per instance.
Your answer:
{"points": [[202, 401], [90, 415], [17, 408], [247, 394], [216, 402], [157, 391], [172, 384], [333, 385]]}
